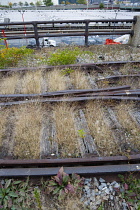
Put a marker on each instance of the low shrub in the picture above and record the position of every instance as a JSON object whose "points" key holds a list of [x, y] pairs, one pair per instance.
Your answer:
{"points": [[66, 56], [10, 57]]}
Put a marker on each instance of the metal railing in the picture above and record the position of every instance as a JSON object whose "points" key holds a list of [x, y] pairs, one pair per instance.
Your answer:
{"points": [[66, 24]]}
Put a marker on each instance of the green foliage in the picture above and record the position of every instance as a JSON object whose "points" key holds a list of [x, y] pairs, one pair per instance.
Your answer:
{"points": [[31, 4], [2, 46], [81, 133], [15, 194], [132, 189], [101, 207], [67, 2], [66, 56], [10, 57], [62, 184], [38, 3], [101, 5], [67, 71], [81, 2], [48, 2], [37, 196], [26, 3], [10, 4], [20, 3]]}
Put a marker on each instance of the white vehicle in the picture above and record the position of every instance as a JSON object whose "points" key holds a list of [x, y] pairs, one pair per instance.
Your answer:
{"points": [[48, 42]]}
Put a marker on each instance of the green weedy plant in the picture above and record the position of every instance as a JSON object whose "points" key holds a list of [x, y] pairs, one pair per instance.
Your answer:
{"points": [[67, 71], [132, 189], [62, 184], [81, 133], [15, 195], [37, 196]]}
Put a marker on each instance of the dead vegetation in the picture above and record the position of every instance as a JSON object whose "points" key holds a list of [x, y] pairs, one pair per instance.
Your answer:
{"points": [[79, 80], [132, 130], [27, 131], [56, 81], [99, 129], [8, 84], [31, 82], [66, 134], [3, 120], [29, 120]]}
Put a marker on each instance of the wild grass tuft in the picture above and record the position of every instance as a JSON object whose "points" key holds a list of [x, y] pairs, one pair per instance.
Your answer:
{"points": [[56, 81], [27, 131], [8, 84], [99, 129], [79, 80], [3, 120], [65, 130], [31, 82], [132, 131]]}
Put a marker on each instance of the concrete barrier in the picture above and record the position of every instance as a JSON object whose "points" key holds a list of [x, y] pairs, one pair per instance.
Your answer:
{"points": [[135, 38]]}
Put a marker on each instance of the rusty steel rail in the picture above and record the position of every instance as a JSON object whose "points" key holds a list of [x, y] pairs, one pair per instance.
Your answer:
{"points": [[66, 93], [73, 99], [116, 77], [86, 66], [82, 166], [81, 170], [14, 97], [92, 161]]}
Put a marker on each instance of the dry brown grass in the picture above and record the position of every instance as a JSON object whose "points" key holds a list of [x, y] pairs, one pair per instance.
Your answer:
{"points": [[99, 129], [69, 203], [27, 131], [31, 82], [65, 130], [8, 84], [56, 81], [3, 120], [130, 68], [132, 130], [133, 82], [79, 80], [72, 203]]}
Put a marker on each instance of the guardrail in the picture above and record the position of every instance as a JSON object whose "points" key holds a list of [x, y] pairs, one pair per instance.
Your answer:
{"points": [[54, 24]]}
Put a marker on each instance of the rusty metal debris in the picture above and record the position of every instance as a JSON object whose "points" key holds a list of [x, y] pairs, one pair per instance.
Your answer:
{"points": [[81, 170], [112, 160], [117, 93], [96, 66], [116, 77], [82, 166], [65, 92]]}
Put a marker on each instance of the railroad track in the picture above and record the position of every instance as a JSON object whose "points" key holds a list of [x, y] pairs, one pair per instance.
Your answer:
{"points": [[102, 119], [96, 166]]}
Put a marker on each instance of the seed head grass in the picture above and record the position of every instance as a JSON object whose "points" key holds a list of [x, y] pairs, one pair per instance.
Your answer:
{"points": [[79, 80], [3, 121], [27, 131], [56, 81], [99, 129], [31, 82], [65, 130], [132, 130], [8, 84]]}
